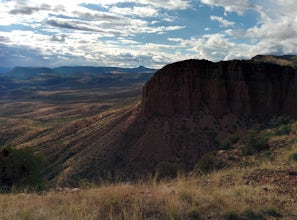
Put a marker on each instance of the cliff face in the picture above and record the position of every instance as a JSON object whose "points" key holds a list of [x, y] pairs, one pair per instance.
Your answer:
{"points": [[244, 88]]}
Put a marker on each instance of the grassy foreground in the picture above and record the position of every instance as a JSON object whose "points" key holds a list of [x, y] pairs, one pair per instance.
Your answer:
{"points": [[252, 185], [220, 195], [182, 199]]}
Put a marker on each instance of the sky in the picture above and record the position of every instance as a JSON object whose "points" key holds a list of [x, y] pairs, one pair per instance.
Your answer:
{"points": [[151, 33]]}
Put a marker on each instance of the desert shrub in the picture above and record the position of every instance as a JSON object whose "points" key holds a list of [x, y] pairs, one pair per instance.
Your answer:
{"points": [[267, 155], [283, 130], [249, 214], [208, 163], [271, 212], [168, 170], [86, 184], [255, 141], [281, 120], [231, 215], [228, 142], [294, 127], [194, 214], [293, 157], [20, 168]]}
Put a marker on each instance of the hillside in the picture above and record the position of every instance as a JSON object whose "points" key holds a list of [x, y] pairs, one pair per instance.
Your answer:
{"points": [[258, 185], [186, 110], [58, 112]]}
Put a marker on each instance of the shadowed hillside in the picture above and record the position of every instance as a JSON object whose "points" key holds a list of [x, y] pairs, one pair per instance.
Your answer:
{"points": [[186, 109], [231, 183]]}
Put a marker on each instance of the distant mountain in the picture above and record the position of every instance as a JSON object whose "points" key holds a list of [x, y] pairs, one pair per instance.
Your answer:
{"points": [[76, 77], [4, 69], [26, 72], [100, 70]]}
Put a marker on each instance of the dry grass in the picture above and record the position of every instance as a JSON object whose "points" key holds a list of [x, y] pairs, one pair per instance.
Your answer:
{"points": [[190, 198], [218, 195], [223, 194]]}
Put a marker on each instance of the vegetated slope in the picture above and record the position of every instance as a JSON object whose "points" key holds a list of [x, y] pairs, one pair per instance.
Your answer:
{"points": [[57, 113], [258, 185], [186, 109]]}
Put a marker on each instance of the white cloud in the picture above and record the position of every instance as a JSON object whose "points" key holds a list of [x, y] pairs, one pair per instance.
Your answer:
{"points": [[238, 6], [165, 4], [214, 47], [71, 32], [144, 11], [276, 32], [222, 21]]}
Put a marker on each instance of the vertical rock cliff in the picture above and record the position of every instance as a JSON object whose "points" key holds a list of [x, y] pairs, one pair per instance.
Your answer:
{"points": [[247, 89]]}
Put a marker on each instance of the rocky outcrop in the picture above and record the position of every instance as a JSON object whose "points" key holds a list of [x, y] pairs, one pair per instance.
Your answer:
{"points": [[285, 60], [248, 89]]}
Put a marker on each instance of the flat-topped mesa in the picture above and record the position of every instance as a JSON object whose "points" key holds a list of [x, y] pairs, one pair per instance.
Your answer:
{"points": [[244, 88]]}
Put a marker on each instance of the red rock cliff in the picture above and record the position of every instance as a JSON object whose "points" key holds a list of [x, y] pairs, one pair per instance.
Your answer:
{"points": [[243, 88]]}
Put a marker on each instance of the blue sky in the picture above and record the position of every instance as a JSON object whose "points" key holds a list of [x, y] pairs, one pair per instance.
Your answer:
{"points": [[129, 33]]}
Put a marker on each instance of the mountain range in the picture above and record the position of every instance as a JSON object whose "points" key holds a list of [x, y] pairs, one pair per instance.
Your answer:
{"points": [[72, 77]]}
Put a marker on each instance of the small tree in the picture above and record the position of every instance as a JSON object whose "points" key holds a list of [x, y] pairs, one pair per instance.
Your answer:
{"points": [[20, 168]]}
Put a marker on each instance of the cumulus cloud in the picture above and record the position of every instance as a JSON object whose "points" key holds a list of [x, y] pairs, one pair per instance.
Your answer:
{"points": [[102, 16], [60, 38], [79, 25], [165, 4], [276, 32], [222, 21], [237, 6], [143, 11], [21, 8], [132, 33], [214, 47], [11, 55]]}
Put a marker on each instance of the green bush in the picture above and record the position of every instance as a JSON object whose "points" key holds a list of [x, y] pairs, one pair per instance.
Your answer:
{"points": [[294, 157], [249, 214], [208, 163], [252, 215], [283, 130], [168, 170], [194, 214], [272, 212], [281, 120], [228, 142], [255, 142], [231, 215], [20, 168]]}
